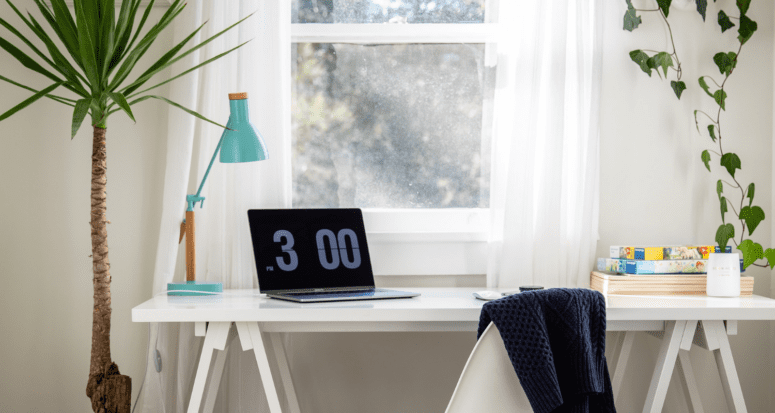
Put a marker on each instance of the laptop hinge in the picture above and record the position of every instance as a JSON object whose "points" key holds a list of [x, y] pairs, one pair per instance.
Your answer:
{"points": [[319, 290]]}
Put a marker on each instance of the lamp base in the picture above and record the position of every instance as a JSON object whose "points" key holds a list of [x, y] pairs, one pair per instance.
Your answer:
{"points": [[194, 288]]}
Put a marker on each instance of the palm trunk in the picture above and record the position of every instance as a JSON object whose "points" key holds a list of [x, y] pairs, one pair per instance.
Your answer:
{"points": [[108, 390]]}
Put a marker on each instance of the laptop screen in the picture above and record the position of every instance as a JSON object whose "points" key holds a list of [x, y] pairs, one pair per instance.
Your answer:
{"points": [[303, 249]]}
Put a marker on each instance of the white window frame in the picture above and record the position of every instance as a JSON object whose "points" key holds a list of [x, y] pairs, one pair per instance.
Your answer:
{"points": [[422, 241]]}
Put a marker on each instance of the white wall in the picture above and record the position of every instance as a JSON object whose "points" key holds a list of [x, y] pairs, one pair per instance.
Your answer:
{"points": [[46, 307], [654, 188]]}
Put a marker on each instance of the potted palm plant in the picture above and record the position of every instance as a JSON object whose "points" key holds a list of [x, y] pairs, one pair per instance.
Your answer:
{"points": [[103, 42]]}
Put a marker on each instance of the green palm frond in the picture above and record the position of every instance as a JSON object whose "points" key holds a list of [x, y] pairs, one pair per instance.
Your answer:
{"points": [[101, 52], [29, 100]]}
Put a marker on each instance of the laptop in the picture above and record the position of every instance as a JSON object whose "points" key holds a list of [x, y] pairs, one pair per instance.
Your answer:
{"points": [[314, 255]]}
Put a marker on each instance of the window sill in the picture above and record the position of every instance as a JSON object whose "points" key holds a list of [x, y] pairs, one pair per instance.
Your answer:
{"points": [[426, 237]]}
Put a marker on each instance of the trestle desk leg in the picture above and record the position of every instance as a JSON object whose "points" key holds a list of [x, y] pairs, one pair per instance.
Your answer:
{"points": [[618, 338], [726, 368], [275, 340], [215, 338], [257, 344], [624, 349], [689, 382], [217, 374], [668, 353], [616, 348]]}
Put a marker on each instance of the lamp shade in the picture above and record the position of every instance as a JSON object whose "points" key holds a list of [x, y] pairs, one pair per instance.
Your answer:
{"points": [[241, 141]]}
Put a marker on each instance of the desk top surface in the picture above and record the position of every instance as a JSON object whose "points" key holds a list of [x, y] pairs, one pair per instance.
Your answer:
{"points": [[433, 305]]}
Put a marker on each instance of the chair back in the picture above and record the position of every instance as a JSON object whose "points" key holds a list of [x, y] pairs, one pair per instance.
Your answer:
{"points": [[488, 382]]}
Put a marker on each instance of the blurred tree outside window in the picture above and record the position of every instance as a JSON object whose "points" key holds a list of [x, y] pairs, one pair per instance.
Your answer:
{"points": [[390, 125], [385, 11]]}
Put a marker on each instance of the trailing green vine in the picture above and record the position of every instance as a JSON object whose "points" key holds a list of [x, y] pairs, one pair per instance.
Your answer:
{"points": [[749, 216], [659, 59]]}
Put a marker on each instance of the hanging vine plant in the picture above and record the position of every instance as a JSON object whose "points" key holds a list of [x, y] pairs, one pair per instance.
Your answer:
{"points": [[659, 59], [749, 216]]}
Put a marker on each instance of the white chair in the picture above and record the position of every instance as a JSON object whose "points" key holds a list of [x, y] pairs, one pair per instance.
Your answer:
{"points": [[488, 382]]}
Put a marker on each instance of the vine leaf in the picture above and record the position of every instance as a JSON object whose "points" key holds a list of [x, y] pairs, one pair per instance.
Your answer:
{"points": [[642, 59], [719, 187], [720, 97], [723, 234], [664, 60], [665, 6], [678, 87], [751, 189], [652, 64], [696, 122], [769, 253], [631, 20], [724, 209], [712, 131], [731, 162], [725, 62], [743, 5], [752, 217], [706, 159], [752, 251], [746, 29], [702, 5], [724, 21], [704, 86]]}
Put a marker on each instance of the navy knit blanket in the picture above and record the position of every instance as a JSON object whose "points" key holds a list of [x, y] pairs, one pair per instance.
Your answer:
{"points": [[556, 342]]}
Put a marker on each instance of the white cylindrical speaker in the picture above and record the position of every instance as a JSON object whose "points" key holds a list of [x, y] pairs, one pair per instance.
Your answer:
{"points": [[723, 275]]}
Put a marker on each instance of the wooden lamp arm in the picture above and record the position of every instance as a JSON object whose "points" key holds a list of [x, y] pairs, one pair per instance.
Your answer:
{"points": [[190, 246], [187, 227]]}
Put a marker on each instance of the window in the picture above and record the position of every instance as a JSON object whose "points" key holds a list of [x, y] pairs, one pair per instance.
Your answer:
{"points": [[389, 125], [392, 112]]}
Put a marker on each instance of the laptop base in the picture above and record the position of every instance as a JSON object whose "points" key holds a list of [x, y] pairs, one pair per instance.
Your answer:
{"points": [[353, 295]]}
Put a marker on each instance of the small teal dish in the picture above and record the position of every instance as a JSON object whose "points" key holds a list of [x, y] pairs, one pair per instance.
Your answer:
{"points": [[190, 288]]}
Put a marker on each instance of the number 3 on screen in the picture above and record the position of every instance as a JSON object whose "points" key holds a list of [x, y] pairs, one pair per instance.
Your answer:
{"points": [[288, 249]]}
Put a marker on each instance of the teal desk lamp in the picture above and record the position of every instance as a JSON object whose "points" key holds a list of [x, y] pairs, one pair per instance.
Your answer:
{"points": [[240, 142]]}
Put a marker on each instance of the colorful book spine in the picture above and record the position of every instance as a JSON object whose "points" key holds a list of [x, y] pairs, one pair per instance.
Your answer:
{"points": [[623, 266], [615, 265], [665, 253]]}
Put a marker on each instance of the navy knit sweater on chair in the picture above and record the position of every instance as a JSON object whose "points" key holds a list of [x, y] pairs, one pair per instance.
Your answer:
{"points": [[556, 342]]}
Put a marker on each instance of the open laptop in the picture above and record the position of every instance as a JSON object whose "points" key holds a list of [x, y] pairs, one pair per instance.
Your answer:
{"points": [[314, 255]]}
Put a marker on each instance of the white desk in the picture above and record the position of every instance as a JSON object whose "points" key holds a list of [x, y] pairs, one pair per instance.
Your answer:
{"points": [[679, 321]]}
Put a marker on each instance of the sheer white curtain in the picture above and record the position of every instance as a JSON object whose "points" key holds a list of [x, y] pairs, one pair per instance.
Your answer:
{"points": [[224, 249], [545, 175]]}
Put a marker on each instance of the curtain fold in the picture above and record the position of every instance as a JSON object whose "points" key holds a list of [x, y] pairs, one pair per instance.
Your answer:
{"points": [[224, 248], [544, 208]]}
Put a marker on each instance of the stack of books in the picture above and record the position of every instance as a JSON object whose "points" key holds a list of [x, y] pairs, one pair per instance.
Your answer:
{"points": [[674, 270]]}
